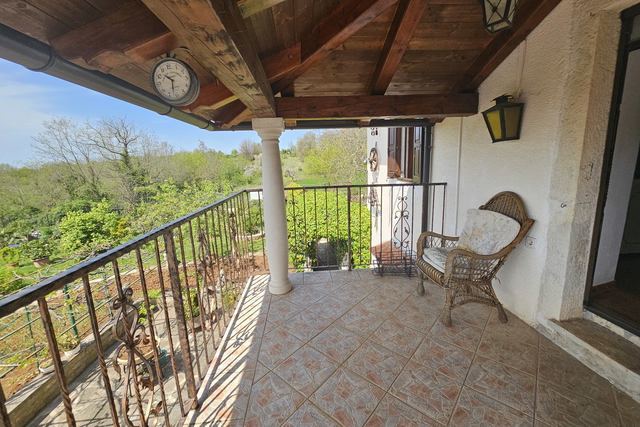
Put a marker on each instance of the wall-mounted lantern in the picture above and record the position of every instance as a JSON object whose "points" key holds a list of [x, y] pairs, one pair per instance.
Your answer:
{"points": [[498, 14], [504, 119]]}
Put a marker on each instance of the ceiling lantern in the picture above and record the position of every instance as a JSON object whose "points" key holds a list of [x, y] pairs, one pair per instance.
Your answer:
{"points": [[504, 119], [498, 14]]}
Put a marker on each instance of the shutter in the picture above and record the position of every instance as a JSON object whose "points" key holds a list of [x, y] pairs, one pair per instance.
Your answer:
{"points": [[417, 155], [393, 153]]}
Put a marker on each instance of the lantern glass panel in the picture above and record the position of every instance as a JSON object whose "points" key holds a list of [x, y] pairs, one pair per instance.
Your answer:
{"points": [[493, 119], [512, 120], [635, 33]]}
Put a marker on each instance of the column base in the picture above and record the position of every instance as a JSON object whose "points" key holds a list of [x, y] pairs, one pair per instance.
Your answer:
{"points": [[279, 287]]}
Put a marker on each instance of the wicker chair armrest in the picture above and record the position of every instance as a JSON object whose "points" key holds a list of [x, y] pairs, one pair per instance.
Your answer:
{"points": [[429, 239]]}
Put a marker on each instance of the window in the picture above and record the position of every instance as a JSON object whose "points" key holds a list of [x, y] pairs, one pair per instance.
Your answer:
{"points": [[405, 153]]}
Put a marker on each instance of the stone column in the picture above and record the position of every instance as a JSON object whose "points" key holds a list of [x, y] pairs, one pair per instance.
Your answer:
{"points": [[275, 217]]}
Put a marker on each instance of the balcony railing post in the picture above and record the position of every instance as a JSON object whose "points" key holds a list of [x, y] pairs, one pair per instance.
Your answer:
{"points": [[57, 363], [178, 306]]}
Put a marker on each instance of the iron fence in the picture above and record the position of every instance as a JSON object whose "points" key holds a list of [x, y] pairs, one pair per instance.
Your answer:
{"points": [[152, 312]]}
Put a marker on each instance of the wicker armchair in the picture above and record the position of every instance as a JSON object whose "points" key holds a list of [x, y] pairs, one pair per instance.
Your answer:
{"points": [[467, 276]]}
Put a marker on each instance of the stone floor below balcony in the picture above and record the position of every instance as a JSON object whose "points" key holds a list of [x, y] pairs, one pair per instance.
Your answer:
{"points": [[353, 349]]}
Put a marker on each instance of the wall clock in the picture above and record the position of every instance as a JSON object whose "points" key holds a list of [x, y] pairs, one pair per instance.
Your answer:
{"points": [[175, 81]]}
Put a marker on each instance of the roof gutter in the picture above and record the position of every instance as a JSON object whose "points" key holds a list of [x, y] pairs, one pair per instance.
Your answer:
{"points": [[37, 56]]}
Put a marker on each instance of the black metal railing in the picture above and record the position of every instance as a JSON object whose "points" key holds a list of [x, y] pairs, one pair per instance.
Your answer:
{"points": [[151, 313], [165, 298]]}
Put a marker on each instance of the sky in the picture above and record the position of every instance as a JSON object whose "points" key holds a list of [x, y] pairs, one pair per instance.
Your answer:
{"points": [[29, 98]]}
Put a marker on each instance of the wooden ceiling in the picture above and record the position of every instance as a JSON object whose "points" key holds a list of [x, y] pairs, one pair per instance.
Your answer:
{"points": [[296, 59]]}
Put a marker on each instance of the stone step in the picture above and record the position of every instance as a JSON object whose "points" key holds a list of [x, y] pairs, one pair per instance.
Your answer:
{"points": [[610, 355]]}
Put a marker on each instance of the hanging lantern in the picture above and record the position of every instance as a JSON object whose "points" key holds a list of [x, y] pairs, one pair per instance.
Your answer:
{"points": [[498, 14], [504, 119]]}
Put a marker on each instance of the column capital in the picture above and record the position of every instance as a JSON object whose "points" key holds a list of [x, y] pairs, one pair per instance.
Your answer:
{"points": [[268, 129]]}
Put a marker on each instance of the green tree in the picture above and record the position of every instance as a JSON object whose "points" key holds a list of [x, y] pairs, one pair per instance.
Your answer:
{"points": [[339, 157], [304, 145]]}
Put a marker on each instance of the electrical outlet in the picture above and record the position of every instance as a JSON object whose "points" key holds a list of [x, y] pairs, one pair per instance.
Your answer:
{"points": [[530, 242]]}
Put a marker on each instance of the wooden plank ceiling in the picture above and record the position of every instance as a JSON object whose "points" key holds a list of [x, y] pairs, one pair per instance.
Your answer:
{"points": [[296, 59]]}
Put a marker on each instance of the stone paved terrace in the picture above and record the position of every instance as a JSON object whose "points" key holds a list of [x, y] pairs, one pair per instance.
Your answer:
{"points": [[353, 349]]}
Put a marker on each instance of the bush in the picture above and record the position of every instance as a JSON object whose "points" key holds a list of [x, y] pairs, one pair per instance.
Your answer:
{"points": [[10, 255], [36, 249], [100, 226]]}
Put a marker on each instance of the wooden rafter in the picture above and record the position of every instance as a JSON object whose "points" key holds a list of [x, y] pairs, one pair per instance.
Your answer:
{"points": [[528, 15], [331, 32], [214, 96], [131, 33], [232, 114], [215, 32], [251, 7], [377, 106], [404, 23]]}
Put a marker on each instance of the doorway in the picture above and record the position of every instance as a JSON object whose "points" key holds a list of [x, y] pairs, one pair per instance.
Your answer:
{"points": [[614, 291]]}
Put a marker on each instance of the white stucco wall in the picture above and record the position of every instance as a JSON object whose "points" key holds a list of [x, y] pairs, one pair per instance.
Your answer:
{"points": [[563, 73]]}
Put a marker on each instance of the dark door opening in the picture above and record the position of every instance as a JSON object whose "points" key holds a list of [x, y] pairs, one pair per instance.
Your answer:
{"points": [[613, 290]]}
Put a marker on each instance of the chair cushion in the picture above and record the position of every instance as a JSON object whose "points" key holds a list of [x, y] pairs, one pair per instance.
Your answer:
{"points": [[487, 232], [437, 257]]}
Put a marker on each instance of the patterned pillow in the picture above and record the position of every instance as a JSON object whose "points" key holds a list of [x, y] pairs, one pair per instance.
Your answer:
{"points": [[487, 232]]}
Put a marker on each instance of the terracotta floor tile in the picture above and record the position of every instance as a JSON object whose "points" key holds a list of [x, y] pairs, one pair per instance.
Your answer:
{"points": [[628, 408], [331, 307], [303, 296], [277, 345], [433, 393], [317, 277], [515, 329], [396, 290], [240, 355], [305, 325], [309, 415], [337, 342], [261, 371], [360, 320], [412, 314], [560, 407], [472, 314], [325, 287], [281, 310], [351, 294], [392, 412], [306, 369], [444, 357], [377, 364], [296, 278], [561, 369], [227, 398], [502, 383], [344, 276], [380, 304], [397, 337], [348, 398], [476, 409], [272, 401], [512, 353], [459, 334]]}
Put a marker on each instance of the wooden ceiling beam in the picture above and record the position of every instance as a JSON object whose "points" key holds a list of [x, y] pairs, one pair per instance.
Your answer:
{"points": [[331, 32], [215, 33], [214, 96], [232, 114], [529, 14], [251, 7], [404, 23], [377, 106], [131, 33]]}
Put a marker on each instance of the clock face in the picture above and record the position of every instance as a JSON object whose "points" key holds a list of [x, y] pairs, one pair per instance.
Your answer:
{"points": [[174, 82]]}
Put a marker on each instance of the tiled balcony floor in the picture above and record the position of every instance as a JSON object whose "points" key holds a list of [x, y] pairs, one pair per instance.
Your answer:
{"points": [[353, 349]]}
